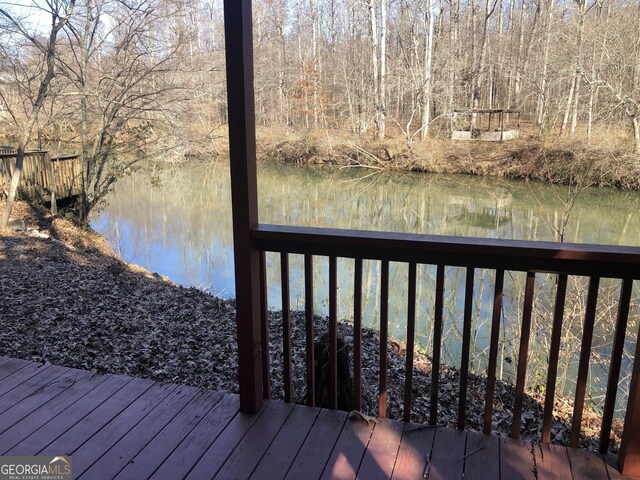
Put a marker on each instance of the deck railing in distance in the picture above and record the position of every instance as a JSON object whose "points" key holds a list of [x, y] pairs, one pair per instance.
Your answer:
{"points": [[593, 261], [43, 176]]}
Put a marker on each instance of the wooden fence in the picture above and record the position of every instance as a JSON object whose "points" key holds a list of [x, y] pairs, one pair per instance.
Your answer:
{"points": [[42, 175]]}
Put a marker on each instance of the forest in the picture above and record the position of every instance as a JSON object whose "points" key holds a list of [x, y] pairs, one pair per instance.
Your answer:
{"points": [[105, 77]]}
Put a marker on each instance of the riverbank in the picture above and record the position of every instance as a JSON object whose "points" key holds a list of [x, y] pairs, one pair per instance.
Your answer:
{"points": [[547, 159], [68, 300]]}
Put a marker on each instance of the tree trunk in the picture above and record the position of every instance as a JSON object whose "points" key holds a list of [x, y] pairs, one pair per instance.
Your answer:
{"points": [[374, 62], [383, 70], [635, 123], [578, 72], [426, 84], [542, 94]]}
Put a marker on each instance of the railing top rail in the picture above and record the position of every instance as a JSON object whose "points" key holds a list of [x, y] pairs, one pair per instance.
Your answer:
{"points": [[36, 153], [67, 156], [577, 259]]}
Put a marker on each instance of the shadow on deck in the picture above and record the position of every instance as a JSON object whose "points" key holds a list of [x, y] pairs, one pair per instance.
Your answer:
{"points": [[115, 426]]}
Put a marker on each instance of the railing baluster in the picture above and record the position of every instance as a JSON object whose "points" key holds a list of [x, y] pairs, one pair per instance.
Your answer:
{"points": [[493, 350], [384, 335], [524, 350], [357, 335], [616, 360], [466, 347], [308, 313], [333, 332], [437, 344], [264, 334], [554, 353], [411, 335], [286, 325], [629, 456], [585, 353]]}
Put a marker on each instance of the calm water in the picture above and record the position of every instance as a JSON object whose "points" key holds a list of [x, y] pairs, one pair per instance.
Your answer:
{"points": [[177, 222]]}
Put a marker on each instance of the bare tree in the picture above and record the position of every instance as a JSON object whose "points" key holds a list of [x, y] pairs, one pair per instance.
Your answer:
{"points": [[60, 11], [125, 80]]}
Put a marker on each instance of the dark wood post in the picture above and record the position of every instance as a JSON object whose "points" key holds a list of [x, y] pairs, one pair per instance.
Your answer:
{"points": [[54, 184], [629, 456], [244, 197]]}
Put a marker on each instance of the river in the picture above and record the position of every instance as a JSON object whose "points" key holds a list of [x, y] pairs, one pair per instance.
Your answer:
{"points": [[177, 222]]}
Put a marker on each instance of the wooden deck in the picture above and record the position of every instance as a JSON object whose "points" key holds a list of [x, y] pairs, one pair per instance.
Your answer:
{"points": [[131, 428]]}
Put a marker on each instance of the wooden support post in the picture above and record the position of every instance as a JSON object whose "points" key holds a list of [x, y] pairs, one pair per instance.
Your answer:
{"points": [[244, 197], [629, 456], [52, 170]]}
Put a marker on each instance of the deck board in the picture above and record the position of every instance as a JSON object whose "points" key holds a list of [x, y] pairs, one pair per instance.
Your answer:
{"points": [[415, 447], [448, 448], [192, 448], [10, 366], [250, 450], [123, 450], [122, 427], [25, 379], [516, 459], [95, 421], [277, 459], [348, 451], [482, 457], [65, 420], [317, 448], [41, 395], [382, 451], [216, 455], [585, 465], [552, 462], [145, 463], [40, 414]]}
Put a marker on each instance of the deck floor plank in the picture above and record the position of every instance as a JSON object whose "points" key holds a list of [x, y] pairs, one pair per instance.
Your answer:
{"points": [[29, 416], [586, 465], [382, 451], [145, 463], [316, 450], [59, 424], [151, 419], [284, 448], [190, 450], [484, 464], [613, 469], [448, 448], [416, 445], [31, 398], [73, 438], [248, 453], [26, 380], [217, 454], [349, 449], [11, 365], [516, 459], [552, 462]]}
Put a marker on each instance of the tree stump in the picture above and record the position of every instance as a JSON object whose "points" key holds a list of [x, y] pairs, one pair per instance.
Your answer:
{"points": [[321, 366]]}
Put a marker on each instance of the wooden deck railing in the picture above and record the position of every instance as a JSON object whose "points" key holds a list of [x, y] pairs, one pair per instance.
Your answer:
{"points": [[251, 240], [565, 260]]}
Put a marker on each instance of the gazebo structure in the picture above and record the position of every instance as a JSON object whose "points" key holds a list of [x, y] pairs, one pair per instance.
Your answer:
{"points": [[484, 129]]}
